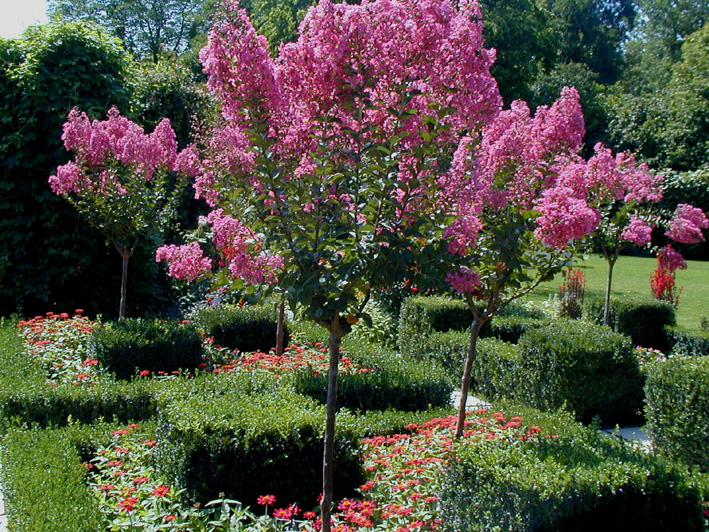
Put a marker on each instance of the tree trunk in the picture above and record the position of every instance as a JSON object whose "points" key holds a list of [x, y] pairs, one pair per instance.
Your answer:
{"points": [[465, 385], [280, 331], [124, 284], [329, 447], [607, 302]]}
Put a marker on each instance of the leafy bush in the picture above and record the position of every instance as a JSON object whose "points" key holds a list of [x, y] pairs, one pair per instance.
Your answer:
{"points": [[510, 328], [688, 343], [125, 346], [420, 316], [588, 367], [677, 410], [572, 482], [495, 371], [394, 382], [246, 445], [644, 320], [26, 397], [43, 479], [246, 329]]}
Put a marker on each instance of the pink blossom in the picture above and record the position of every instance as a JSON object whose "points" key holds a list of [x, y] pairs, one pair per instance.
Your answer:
{"points": [[670, 259], [637, 231], [185, 262], [563, 217], [462, 235], [464, 281], [687, 224]]}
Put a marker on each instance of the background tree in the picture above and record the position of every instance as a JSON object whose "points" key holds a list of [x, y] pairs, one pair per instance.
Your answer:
{"points": [[335, 144], [122, 180], [148, 28], [47, 256]]}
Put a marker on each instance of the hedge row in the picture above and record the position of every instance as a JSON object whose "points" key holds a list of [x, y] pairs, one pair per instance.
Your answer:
{"points": [[677, 409], [577, 481], [43, 478]]}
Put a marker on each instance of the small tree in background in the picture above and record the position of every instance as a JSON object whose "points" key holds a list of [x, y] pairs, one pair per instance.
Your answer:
{"points": [[323, 175], [124, 182]]}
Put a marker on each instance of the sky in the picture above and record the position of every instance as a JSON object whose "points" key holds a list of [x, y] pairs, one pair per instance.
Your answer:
{"points": [[16, 15]]}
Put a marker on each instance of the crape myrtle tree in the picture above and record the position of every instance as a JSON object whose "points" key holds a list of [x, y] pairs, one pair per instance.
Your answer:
{"points": [[323, 175], [124, 182], [523, 201], [624, 193]]}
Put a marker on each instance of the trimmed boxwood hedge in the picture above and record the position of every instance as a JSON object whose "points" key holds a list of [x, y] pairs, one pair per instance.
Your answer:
{"points": [[579, 481], [43, 478], [677, 409], [244, 328], [496, 368], [688, 343], [124, 347], [587, 367], [644, 320], [395, 382]]}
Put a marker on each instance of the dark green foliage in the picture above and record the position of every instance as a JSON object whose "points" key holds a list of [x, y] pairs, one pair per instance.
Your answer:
{"points": [[688, 343], [43, 478], [677, 409], [49, 259], [495, 370], [246, 329], [588, 367], [510, 328], [124, 347], [644, 320], [575, 482], [395, 382], [420, 316], [246, 445]]}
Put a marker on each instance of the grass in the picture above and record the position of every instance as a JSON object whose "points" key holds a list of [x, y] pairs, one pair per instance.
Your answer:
{"points": [[631, 277]]}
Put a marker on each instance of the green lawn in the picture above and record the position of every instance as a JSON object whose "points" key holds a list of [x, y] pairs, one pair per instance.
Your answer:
{"points": [[631, 277]]}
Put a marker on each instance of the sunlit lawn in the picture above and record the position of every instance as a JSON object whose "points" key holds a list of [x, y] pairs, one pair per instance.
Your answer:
{"points": [[631, 277]]}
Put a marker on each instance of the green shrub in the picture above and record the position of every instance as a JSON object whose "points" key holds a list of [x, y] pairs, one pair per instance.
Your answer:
{"points": [[26, 397], [688, 343], [495, 370], [579, 481], [420, 316], [644, 320], [394, 382], [677, 409], [127, 346], [588, 367], [510, 328], [246, 445], [246, 329], [43, 478]]}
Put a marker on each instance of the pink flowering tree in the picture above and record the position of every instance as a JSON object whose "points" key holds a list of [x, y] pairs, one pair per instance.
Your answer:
{"points": [[322, 175], [124, 182], [523, 202], [623, 192]]}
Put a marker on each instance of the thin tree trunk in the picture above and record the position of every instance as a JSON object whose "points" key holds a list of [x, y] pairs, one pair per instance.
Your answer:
{"points": [[280, 330], [465, 385], [124, 284], [329, 447], [607, 303]]}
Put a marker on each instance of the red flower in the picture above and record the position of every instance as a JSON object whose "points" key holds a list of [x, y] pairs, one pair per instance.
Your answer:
{"points": [[266, 500], [144, 372], [161, 491], [128, 504], [140, 480]]}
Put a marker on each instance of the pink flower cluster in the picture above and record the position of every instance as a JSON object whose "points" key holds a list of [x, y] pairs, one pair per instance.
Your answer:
{"points": [[670, 259], [687, 224], [464, 281], [638, 231], [186, 263], [101, 146], [240, 249]]}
